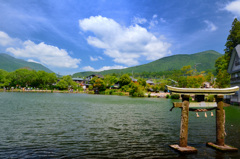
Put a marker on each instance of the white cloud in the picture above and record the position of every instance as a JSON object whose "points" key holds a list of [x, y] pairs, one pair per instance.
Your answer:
{"points": [[111, 67], [152, 23], [210, 26], [155, 16], [47, 55], [137, 20], [124, 44], [31, 60], [234, 7], [89, 68], [96, 58], [6, 40]]}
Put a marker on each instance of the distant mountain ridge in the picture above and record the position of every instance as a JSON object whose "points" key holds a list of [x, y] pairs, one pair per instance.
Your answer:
{"points": [[9, 63], [205, 61]]}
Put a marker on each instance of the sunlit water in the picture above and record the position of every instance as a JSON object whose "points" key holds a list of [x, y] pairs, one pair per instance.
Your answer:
{"points": [[55, 125]]}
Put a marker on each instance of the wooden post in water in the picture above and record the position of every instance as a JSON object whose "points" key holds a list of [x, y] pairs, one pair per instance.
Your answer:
{"points": [[184, 121], [183, 147], [220, 127], [220, 121]]}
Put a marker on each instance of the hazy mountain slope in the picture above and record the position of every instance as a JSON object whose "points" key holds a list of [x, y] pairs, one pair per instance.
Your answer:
{"points": [[10, 64], [204, 60]]}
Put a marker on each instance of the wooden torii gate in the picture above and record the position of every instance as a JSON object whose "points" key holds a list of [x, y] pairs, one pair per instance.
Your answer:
{"points": [[200, 105]]}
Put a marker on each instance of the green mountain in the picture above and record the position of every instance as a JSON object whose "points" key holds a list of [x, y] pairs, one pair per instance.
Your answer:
{"points": [[10, 64], [203, 61]]}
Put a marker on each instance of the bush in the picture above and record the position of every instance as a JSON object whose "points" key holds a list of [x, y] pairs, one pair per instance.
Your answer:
{"points": [[90, 87], [136, 90], [168, 96], [125, 88], [149, 94], [90, 92], [175, 96], [209, 98], [121, 94], [102, 92]]}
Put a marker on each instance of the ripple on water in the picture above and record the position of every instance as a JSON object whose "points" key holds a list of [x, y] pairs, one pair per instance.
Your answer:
{"points": [[39, 125]]}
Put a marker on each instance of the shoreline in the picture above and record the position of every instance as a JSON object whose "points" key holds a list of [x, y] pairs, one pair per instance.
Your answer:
{"points": [[152, 95]]}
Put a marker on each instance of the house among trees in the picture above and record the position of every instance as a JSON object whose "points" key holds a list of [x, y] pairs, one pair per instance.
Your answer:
{"points": [[133, 79], [150, 82], [88, 78], [234, 71], [78, 80]]}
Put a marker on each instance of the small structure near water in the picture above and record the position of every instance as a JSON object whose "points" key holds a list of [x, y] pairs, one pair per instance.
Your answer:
{"points": [[202, 106]]}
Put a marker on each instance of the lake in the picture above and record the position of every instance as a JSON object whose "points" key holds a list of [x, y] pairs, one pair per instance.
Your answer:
{"points": [[58, 125]]}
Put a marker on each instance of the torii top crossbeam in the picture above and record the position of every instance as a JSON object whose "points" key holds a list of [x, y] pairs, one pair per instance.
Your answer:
{"points": [[203, 91]]}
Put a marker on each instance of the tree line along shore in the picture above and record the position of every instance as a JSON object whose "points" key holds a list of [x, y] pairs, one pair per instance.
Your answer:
{"points": [[27, 80]]}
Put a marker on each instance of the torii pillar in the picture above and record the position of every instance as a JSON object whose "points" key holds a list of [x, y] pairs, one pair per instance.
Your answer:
{"points": [[183, 147], [220, 127]]}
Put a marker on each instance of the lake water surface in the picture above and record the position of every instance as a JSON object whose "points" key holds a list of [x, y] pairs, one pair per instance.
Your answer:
{"points": [[57, 125]]}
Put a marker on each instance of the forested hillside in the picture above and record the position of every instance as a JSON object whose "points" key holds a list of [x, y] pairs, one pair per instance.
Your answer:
{"points": [[203, 61], [9, 63]]}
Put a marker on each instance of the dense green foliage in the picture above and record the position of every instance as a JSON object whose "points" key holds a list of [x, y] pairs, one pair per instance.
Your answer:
{"points": [[27, 78], [4, 81], [98, 84], [110, 80], [9, 63], [124, 80], [66, 82], [35, 79], [166, 65], [223, 77]]}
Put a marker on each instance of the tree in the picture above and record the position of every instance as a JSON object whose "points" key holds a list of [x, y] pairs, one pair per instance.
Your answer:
{"points": [[62, 84], [3, 78], [195, 81], [209, 77], [223, 79], [136, 90], [221, 65], [124, 80], [44, 79], [99, 85], [233, 39], [142, 82], [66, 82], [22, 77], [110, 80], [187, 70]]}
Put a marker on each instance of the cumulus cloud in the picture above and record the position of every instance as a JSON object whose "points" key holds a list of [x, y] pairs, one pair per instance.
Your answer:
{"points": [[96, 58], [6, 40], [89, 68], [124, 44], [210, 26], [233, 7], [46, 54]]}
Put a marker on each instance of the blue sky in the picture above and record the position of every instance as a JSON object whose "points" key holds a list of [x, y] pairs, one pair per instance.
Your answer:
{"points": [[70, 36]]}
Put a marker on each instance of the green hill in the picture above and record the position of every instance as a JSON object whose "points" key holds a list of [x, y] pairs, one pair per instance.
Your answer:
{"points": [[204, 60], [10, 64]]}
